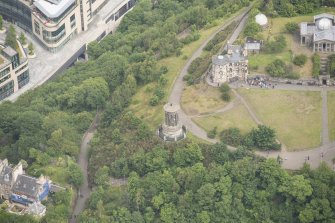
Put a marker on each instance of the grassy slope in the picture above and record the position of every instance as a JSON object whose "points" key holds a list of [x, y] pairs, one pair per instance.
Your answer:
{"points": [[296, 115], [201, 99], [236, 117]]}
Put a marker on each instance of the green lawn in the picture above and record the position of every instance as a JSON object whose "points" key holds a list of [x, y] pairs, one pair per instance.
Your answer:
{"points": [[331, 114], [153, 115], [201, 99], [295, 115], [236, 117]]}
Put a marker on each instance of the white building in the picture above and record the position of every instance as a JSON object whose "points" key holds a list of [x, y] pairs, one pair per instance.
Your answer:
{"points": [[319, 34], [231, 66], [261, 20]]}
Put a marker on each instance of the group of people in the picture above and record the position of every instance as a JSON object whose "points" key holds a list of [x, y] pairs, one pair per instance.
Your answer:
{"points": [[260, 82]]}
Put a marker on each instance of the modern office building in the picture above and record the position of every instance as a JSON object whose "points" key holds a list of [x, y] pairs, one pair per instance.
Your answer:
{"points": [[55, 22], [14, 71]]}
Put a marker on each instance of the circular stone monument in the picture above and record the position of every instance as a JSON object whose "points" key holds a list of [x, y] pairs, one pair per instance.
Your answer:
{"points": [[171, 129]]}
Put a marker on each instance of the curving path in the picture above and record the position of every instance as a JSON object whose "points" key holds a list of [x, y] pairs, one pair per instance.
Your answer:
{"points": [[178, 86], [84, 191], [291, 160]]}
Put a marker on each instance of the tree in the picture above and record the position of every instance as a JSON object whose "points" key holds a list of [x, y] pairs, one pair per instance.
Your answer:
{"points": [[275, 46], [231, 136], [188, 156], [11, 38], [75, 176], [225, 90], [101, 177], [23, 39], [318, 210], [264, 138], [296, 187], [31, 49], [300, 60], [276, 68], [252, 28], [291, 27], [1, 22]]}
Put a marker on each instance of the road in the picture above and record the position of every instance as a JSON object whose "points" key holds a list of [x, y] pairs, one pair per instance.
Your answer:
{"points": [[84, 191]]}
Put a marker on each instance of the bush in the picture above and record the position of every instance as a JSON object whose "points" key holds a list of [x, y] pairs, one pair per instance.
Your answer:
{"points": [[252, 28], [225, 89], [212, 133], [276, 68], [154, 101], [226, 96], [264, 138], [276, 46], [231, 136], [300, 60], [291, 27], [331, 65], [316, 65], [219, 38]]}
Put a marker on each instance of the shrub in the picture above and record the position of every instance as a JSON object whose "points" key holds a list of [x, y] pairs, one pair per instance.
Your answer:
{"points": [[225, 90], [276, 68], [226, 96], [316, 65], [331, 65], [276, 46], [291, 27], [231, 136], [154, 101], [212, 133], [300, 60]]}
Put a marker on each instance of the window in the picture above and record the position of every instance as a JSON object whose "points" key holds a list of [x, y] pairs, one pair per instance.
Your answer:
{"points": [[55, 36], [37, 28], [73, 21]]}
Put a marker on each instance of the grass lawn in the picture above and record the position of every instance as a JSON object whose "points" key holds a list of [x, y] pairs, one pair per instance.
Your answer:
{"points": [[331, 114], [153, 115], [295, 115], [236, 117], [201, 99]]}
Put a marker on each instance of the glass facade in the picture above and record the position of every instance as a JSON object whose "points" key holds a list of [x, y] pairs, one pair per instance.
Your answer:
{"points": [[17, 12], [6, 90], [23, 79], [55, 36]]}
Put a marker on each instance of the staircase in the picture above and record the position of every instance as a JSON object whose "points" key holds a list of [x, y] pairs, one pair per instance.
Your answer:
{"points": [[323, 64]]}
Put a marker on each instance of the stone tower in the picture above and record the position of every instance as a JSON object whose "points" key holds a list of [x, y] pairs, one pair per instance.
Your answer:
{"points": [[171, 129]]}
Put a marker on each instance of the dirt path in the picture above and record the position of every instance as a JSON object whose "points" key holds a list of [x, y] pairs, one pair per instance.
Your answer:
{"points": [[84, 190]]}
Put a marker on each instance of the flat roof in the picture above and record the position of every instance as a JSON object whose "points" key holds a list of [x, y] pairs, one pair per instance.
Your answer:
{"points": [[53, 10]]}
